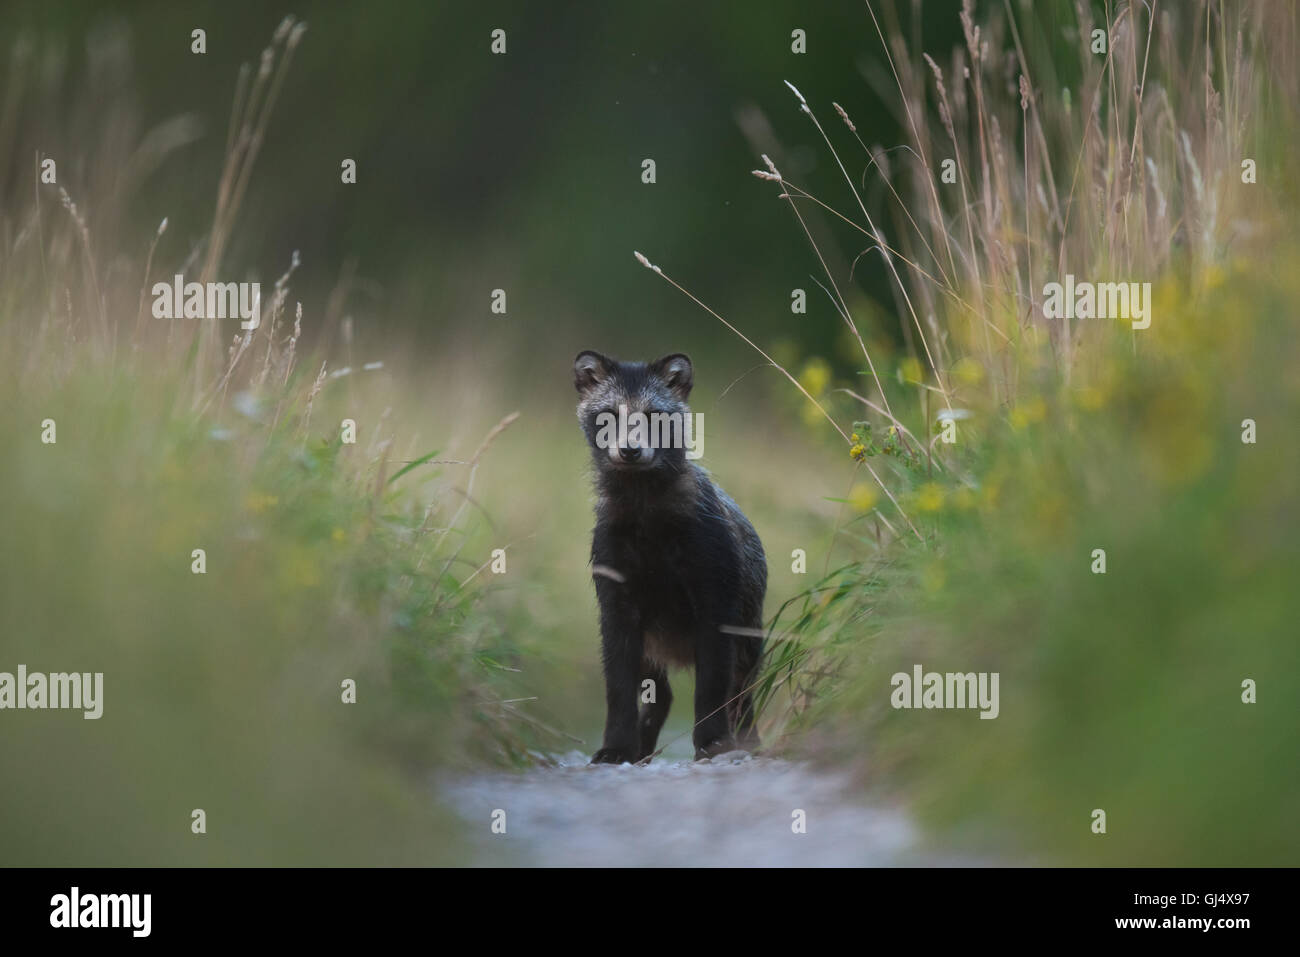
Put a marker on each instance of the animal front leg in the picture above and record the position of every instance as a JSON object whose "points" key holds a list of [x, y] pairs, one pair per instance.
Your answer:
{"points": [[622, 642], [656, 699], [714, 679], [749, 653]]}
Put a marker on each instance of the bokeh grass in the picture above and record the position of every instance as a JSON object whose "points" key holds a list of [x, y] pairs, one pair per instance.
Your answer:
{"points": [[324, 561], [1124, 690], [1121, 691], [223, 690]]}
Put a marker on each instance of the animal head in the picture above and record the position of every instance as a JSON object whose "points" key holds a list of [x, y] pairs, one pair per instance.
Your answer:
{"points": [[634, 414]]}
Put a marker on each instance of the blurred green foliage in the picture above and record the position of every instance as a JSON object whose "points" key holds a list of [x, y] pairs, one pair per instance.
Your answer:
{"points": [[224, 690], [475, 171], [522, 172], [1124, 690]]}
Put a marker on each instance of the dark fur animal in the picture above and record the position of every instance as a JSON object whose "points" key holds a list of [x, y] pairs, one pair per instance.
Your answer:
{"points": [[680, 573]]}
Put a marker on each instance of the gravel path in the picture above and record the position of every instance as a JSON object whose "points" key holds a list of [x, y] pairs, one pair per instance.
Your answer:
{"points": [[737, 810]]}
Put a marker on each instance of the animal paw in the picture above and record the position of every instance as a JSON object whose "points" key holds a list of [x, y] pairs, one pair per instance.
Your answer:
{"points": [[613, 756], [715, 747]]}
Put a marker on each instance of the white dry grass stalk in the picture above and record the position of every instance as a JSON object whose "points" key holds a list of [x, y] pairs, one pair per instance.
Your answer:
{"points": [[1145, 170], [838, 299], [145, 284], [468, 495], [250, 117], [83, 233], [797, 384], [311, 399]]}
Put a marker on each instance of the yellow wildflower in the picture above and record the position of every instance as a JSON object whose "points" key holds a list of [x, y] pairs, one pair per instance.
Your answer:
{"points": [[968, 372], [259, 502], [816, 376], [929, 497], [863, 497]]}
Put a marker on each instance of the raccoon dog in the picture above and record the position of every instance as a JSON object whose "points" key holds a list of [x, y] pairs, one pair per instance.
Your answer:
{"points": [[679, 571]]}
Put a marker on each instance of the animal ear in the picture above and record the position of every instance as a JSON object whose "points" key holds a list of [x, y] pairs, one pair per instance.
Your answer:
{"points": [[677, 373], [589, 370]]}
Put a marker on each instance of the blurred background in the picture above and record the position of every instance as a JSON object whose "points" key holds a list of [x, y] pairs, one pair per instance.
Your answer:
{"points": [[523, 172]]}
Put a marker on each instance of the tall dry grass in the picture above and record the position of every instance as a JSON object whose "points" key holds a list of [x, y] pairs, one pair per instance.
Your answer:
{"points": [[325, 560], [1120, 690], [1084, 165]]}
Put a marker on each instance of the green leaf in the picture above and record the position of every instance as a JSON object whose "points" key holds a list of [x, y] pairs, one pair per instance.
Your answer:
{"points": [[410, 465]]}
